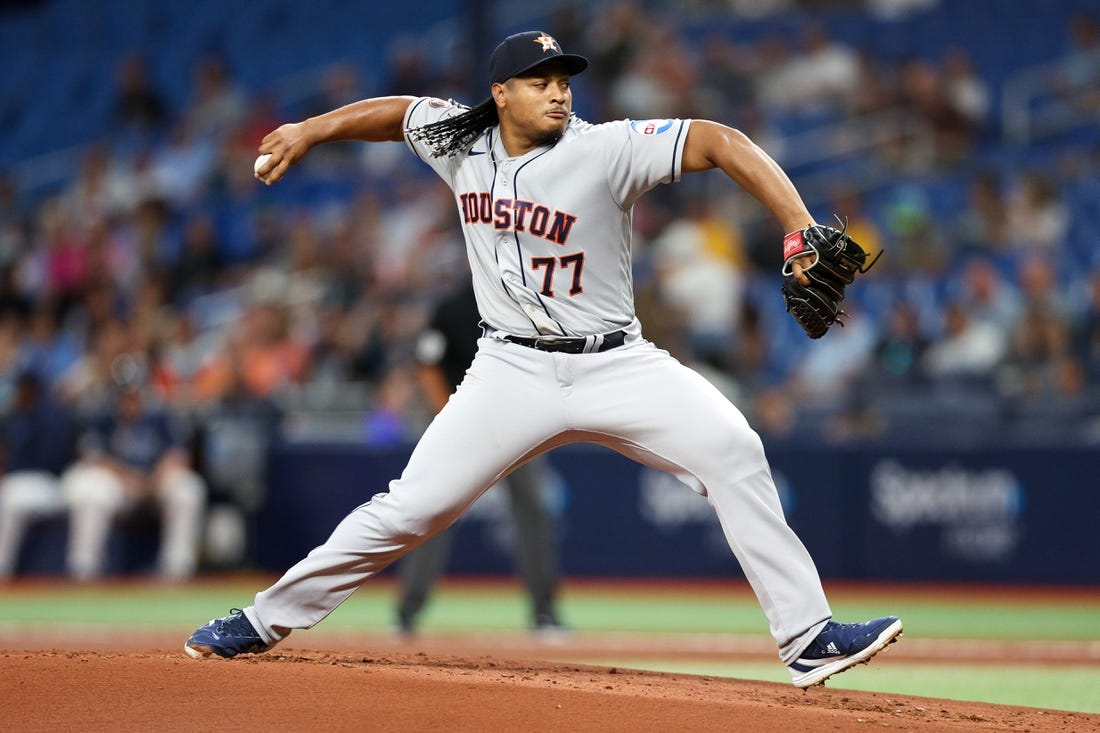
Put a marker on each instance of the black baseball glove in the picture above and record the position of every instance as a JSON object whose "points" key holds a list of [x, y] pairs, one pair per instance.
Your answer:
{"points": [[836, 261]]}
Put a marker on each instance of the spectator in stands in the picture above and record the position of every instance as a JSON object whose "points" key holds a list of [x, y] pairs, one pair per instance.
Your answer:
{"points": [[130, 458], [13, 300], [351, 344], [917, 244], [346, 264], [965, 91], [332, 351], [11, 358], [299, 265], [59, 254], [261, 350], [982, 225], [900, 348], [138, 185], [385, 424], [183, 166], [824, 374], [613, 40], [772, 76], [86, 387], [988, 295], [112, 262], [272, 356], [199, 268], [238, 211], [217, 104], [155, 238], [817, 73], [1083, 33], [1038, 283], [725, 81], [824, 74], [37, 444], [11, 208], [98, 193], [1040, 363], [234, 433], [875, 84], [660, 80], [1075, 77], [181, 354], [968, 348], [700, 262], [924, 95], [46, 348], [407, 65], [1086, 330], [139, 107], [410, 238], [1037, 218], [750, 361]]}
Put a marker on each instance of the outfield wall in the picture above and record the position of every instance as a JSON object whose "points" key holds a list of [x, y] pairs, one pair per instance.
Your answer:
{"points": [[986, 515]]}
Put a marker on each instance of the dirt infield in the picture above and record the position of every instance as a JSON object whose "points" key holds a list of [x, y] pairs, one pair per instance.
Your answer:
{"points": [[297, 690], [99, 677]]}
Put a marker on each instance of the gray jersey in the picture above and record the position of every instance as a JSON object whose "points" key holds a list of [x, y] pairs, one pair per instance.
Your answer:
{"points": [[548, 233]]}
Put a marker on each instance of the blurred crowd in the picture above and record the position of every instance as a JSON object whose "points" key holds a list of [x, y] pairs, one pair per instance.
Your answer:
{"points": [[238, 311]]}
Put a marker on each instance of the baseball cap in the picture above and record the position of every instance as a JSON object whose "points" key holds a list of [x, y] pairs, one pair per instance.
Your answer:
{"points": [[524, 51]]}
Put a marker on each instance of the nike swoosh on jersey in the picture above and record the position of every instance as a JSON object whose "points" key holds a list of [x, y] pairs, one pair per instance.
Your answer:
{"points": [[476, 152]]}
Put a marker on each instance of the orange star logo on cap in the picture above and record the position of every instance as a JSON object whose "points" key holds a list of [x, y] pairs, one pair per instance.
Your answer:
{"points": [[548, 43]]}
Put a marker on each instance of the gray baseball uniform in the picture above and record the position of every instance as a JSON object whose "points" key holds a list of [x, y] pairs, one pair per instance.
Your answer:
{"points": [[548, 237]]}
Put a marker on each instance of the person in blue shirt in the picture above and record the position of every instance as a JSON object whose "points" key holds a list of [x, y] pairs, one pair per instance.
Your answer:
{"points": [[36, 444], [129, 457]]}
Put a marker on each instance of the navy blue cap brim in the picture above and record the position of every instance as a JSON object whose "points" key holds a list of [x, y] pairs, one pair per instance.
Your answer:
{"points": [[574, 64]]}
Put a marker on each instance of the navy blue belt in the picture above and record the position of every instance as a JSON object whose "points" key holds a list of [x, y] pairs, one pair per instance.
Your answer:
{"points": [[572, 345]]}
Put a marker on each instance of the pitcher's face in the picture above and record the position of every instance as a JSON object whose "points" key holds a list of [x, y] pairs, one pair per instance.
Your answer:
{"points": [[536, 106]]}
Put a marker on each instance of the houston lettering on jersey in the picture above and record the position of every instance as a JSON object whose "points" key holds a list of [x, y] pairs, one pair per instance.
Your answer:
{"points": [[516, 215]]}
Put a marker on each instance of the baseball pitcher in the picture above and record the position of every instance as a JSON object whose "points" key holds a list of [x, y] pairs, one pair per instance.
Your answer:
{"points": [[545, 204]]}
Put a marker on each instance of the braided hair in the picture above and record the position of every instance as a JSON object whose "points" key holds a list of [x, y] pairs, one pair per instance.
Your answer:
{"points": [[452, 135]]}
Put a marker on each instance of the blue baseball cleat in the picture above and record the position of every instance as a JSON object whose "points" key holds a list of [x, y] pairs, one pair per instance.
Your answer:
{"points": [[840, 646], [226, 637]]}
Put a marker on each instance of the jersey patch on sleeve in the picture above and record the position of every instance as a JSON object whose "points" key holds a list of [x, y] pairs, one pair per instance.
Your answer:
{"points": [[437, 103], [651, 127]]}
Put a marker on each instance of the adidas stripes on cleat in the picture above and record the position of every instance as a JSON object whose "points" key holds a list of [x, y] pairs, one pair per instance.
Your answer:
{"points": [[841, 646]]}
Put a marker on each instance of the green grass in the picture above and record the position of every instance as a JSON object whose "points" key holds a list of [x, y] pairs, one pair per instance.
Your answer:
{"points": [[464, 608], [1074, 688], [502, 607], [983, 619]]}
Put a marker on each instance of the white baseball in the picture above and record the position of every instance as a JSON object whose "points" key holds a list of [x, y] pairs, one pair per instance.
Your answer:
{"points": [[260, 162]]}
